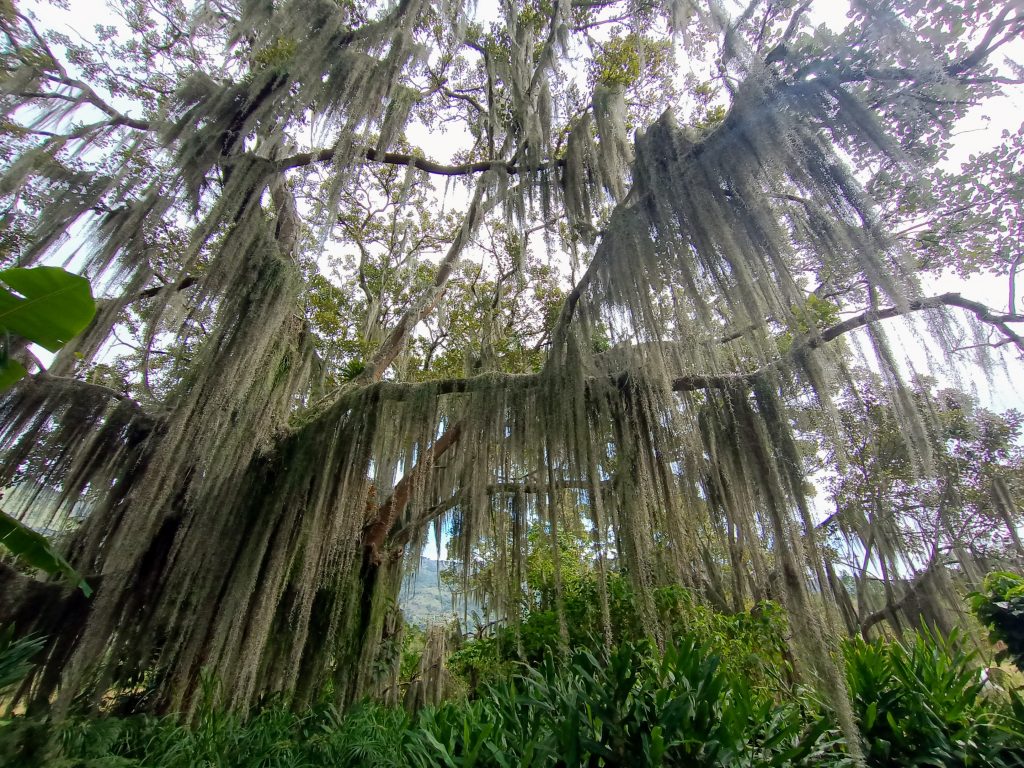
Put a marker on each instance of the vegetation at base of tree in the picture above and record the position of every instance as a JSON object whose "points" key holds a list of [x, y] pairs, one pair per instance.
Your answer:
{"points": [[15, 656], [750, 643], [923, 702], [920, 702]]}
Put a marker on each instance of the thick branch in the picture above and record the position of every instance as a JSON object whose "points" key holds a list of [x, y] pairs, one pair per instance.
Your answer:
{"points": [[988, 43], [891, 607], [389, 390], [376, 531], [186, 282], [565, 316], [400, 158], [45, 379], [983, 313]]}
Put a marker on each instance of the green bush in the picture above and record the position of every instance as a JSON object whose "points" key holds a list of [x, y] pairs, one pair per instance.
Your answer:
{"points": [[272, 737], [626, 707], [750, 644], [1000, 607], [921, 703], [629, 706]]}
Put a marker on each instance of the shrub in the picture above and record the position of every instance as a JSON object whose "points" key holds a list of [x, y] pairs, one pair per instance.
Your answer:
{"points": [[625, 707], [1000, 607], [15, 657], [918, 703], [921, 703]]}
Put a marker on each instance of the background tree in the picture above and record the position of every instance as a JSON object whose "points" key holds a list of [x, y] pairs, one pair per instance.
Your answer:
{"points": [[922, 516]]}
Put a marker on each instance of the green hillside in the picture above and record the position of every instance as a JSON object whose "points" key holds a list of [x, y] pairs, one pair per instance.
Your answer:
{"points": [[426, 599]]}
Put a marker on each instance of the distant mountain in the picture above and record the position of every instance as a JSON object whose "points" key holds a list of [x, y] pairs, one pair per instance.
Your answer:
{"points": [[425, 599]]}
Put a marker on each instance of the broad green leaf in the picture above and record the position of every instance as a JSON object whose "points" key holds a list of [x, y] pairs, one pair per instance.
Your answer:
{"points": [[34, 549], [48, 306]]}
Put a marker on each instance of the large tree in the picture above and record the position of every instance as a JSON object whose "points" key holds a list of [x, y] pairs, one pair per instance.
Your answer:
{"points": [[319, 340]]}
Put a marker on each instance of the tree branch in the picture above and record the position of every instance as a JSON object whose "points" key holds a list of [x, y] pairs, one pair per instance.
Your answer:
{"points": [[46, 379], [397, 391], [988, 43], [186, 282], [88, 95], [983, 313], [429, 166], [376, 531], [424, 305], [891, 607]]}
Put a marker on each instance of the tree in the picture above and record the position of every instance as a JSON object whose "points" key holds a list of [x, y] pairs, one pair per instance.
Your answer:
{"points": [[922, 517], [257, 485]]}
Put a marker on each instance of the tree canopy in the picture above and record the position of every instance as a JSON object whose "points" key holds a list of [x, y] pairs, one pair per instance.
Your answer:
{"points": [[372, 270]]}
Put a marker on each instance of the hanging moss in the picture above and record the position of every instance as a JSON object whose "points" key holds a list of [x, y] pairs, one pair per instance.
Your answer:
{"points": [[252, 533]]}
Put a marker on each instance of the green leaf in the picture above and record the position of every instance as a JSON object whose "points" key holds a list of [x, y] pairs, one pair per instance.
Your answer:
{"points": [[870, 715], [11, 371], [48, 306], [15, 656], [34, 549]]}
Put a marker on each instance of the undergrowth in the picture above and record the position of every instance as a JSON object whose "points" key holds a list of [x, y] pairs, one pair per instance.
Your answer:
{"points": [[918, 703]]}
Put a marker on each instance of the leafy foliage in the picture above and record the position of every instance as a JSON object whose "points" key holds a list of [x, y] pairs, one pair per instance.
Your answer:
{"points": [[970, 450], [749, 642], [630, 706], [46, 306], [1000, 607], [945, 497], [15, 656], [35, 550], [921, 703]]}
